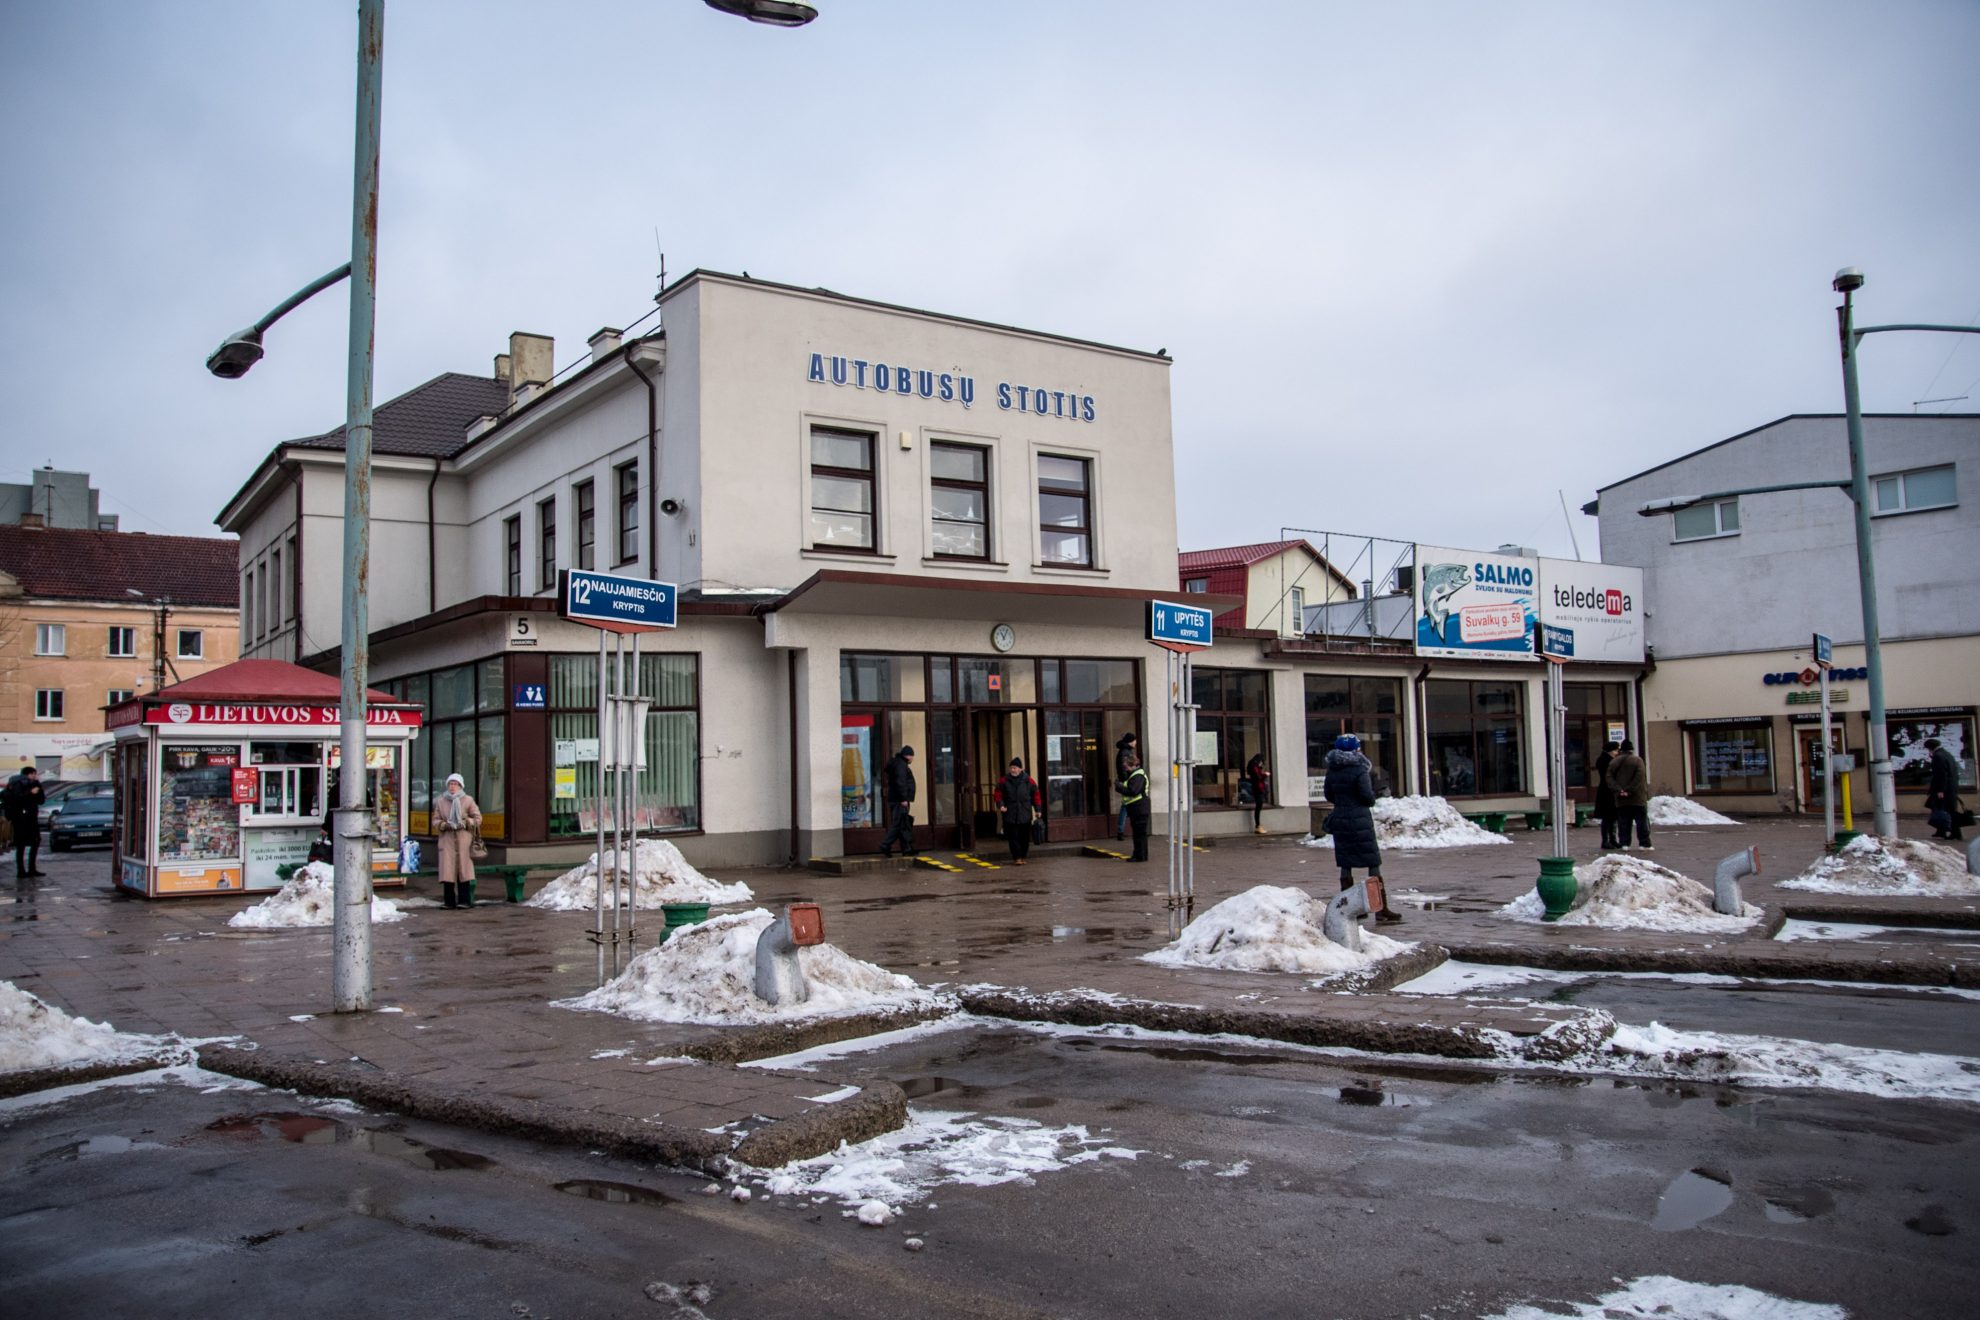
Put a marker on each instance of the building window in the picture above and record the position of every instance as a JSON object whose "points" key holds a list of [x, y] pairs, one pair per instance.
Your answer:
{"points": [[51, 639], [1368, 708], [274, 581], [1700, 521], [841, 489], [123, 644], [584, 498], [1236, 712], [1476, 738], [669, 797], [512, 556], [627, 477], [1198, 585], [466, 733], [118, 695], [247, 607], [1597, 714], [1296, 611], [1732, 758], [1065, 510], [1921, 488], [959, 480], [1913, 763], [48, 703], [192, 644], [546, 544]]}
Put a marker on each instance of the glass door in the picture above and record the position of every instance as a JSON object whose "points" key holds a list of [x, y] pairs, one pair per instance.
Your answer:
{"points": [[1813, 781], [1078, 776]]}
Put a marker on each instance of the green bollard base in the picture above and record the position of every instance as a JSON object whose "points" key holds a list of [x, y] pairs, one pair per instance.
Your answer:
{"points": [[1842, 839], [679, 916], [1556, 887]]}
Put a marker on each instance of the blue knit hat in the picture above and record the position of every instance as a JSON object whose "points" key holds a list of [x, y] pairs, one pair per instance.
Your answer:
{"points": [[1347, 742]]}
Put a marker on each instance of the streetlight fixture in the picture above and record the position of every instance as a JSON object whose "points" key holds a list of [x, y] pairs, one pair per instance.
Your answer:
{"points": [[777, 13]]}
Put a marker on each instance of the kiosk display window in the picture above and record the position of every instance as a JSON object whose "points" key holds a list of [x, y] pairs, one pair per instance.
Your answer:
{"points": [[289, 779], [197, 819]]}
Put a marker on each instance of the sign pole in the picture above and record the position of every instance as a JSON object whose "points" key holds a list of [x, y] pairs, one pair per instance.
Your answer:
{"points": [[1181, 630], [1188, 791], [598, 799], [1557, 759], [1825, 656], [634, 758]]}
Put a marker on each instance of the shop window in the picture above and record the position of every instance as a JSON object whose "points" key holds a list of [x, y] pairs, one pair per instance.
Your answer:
{"points": [[512, 556], [842, 502], [669, 789], [1368, 708], [1065, 510], [48, 704], [123, 644], [1910, 759], [546, 544], [584, 497], [1920, 488], [383, 781], [197, 819], [1700, 521], [1597, 714], [960, 497], [1732, 758], [626, 478], [1233, 724], [51, 639], [466, 733], [1098, 683], [883, 678], [997, 682], [1476, 738], [192, 644], [135, 759]]}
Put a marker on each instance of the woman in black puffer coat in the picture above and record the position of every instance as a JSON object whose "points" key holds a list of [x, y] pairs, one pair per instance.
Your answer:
{"points": [[1352, 824]]}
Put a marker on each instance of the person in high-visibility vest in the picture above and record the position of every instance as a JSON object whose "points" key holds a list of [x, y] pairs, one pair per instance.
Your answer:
{"points": [[1134, 800]]}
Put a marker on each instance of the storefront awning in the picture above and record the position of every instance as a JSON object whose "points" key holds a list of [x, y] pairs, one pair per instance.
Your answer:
{"points": [[840, 591]]}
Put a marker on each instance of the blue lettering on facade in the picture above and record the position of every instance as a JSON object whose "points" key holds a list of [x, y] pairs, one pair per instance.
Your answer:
{"points": [[818, 367], [924, 384], [968, 390], [838, 371], [883, 377], [1003, 394], [903, 381], [1024, 398], [947, 386], [1086, 413], [859, 373]]}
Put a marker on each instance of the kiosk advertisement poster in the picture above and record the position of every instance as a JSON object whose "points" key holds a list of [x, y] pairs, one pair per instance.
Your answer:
{"points": [[1475, 606], [1601, 603]]}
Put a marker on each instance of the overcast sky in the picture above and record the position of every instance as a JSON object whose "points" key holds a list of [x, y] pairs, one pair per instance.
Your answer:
{"points": [[1420, 266]]}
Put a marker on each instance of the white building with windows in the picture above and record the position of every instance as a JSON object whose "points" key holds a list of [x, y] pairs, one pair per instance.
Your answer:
{"points": [[1738, 587], [890, 527]]}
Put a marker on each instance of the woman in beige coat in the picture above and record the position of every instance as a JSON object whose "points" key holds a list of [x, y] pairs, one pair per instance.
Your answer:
{"points": [[457, 823]]}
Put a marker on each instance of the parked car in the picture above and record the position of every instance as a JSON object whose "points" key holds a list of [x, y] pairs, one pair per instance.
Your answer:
{"points": [[82, 819], [55, 794]]}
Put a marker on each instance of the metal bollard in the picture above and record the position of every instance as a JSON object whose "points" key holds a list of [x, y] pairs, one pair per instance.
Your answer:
{"points": [[1973, 855], [1725, 885], [779, 978], [1339, 924]]}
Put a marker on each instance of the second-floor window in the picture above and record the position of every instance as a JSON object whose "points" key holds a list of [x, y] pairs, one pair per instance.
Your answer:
{"points": [[1065, 510], [959, 480], [1296, 612], [272, 582], [248, 599], [118, 694], [48, 703], [1921, 488], [546, 544], [123, 644], [1716, 518], [627, 476], [51, 639], [841, 489], [192, 644], [1198, 585], [584, 499], [512, 556]]}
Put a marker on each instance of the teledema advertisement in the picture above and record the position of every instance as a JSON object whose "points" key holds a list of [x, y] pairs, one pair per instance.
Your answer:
{"points": [[1475, 606], [1602, 604]]}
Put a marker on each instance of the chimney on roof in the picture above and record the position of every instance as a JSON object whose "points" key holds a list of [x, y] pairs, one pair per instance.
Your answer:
{"points": [[502, 367], [530, 363], [604, 341], [33, 521]]}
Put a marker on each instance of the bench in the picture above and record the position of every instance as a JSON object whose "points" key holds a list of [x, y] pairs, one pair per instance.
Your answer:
{"points": [[1494, 821]]}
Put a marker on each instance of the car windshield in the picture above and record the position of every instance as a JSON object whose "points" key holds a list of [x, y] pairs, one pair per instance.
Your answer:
{"points": [[86, 806]]}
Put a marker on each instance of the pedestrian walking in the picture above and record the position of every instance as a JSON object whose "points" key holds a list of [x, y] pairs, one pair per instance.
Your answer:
{"points": [[1259, 776], [1129, 745], [1019, 799], [22, 799], [457, 822], [1942, 793], [897, 788], [1605, 797], [1134, 800], [1351, 790], [1627, 779]]}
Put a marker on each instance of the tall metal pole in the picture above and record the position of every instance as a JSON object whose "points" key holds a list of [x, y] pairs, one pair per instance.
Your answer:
{"points": [[1883, 783], [1828, 768], [598, 800], [1557, 799], [351, 931]]}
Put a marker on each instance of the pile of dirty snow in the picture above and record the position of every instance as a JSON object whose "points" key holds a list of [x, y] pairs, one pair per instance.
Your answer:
{"points": [[707, 973], [34, 1035], [1418, 822], [1665, 810], [1661, 1295], [1902, 867], [661, 876], [1270, 929], [307, 898], [1621, 892]]}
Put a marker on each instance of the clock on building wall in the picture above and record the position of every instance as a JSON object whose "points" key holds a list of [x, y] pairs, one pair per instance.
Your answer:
{"points": [[1003, 637]]}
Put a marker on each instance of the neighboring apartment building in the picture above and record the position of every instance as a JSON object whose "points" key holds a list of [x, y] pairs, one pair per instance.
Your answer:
{"points": [[1276, 579], [1738, 586], [82, 615], [54, 499], [890, 527]]}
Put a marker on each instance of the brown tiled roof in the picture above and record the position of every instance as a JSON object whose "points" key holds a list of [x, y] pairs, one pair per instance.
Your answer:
{"points": [[427, 421], [60, 563]]}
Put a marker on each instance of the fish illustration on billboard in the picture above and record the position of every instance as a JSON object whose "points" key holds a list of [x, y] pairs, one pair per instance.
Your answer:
{"points": [[1440, 583]]}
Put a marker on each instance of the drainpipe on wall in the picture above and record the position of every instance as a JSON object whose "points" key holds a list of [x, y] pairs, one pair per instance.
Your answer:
{"points": [[652, 462], [1642, 729], [790, 670], [1422, 738], [432, 554]]}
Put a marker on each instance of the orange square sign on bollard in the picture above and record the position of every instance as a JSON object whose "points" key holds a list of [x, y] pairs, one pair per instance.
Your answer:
{"points": [[807, 923]]}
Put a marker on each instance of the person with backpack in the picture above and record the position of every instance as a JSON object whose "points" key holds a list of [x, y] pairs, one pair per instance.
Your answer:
{"points": [[1134, 800], [1259, 776], [1352, 822], [1021, 803]]}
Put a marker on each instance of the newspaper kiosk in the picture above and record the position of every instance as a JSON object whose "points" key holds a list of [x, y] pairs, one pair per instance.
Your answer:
{"points": [[225, 778]]}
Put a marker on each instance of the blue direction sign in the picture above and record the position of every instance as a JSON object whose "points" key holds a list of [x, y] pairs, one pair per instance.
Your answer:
{"points": [[1556, 643], [617, 604], [530, 696], [1825, 651], [1178, 627]]}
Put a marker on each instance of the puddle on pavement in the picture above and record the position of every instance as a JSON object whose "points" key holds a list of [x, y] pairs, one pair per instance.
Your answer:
{"points": [[916, 1087], [315, 1130], [1372, 1094], [1932, 1221], [1797, 1205], [1693, 1197], [617, 1193]]}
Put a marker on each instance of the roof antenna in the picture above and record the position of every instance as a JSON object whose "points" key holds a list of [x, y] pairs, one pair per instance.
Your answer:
{"points": [[661, 291], [1569, 520]]}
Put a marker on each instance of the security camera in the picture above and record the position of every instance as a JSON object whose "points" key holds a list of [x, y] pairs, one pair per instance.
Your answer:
{"points": [[232, 359], [1848, 280], [670, 507]]}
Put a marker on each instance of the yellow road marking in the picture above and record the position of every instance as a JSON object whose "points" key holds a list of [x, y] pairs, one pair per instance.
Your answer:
{"points": [[976, 861]]}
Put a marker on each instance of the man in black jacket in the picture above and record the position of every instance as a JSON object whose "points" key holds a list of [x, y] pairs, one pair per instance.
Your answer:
{"points": [[1605, 796], [22, 799], [897, 786], [1942, 793]]}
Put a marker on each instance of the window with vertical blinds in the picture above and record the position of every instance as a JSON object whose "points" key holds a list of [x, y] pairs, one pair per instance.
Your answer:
{"points": [[670, 785]]}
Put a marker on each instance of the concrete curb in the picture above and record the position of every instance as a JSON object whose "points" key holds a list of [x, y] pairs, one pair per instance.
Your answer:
{"points": [[1387, 974], [1878, 914], [47, 1079], [1780, 963], [881, 1107], [745, 1044]]}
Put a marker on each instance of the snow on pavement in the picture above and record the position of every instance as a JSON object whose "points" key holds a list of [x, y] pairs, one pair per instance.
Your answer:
{"points": [[1406, 823], [1623, 892], [307, 898], [1270, 929], [1795, 928], [707, 973], [1666, 1298], [35, 1035], [661, 875], [1897, 867], [1491, 980], [1669, 810]]}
